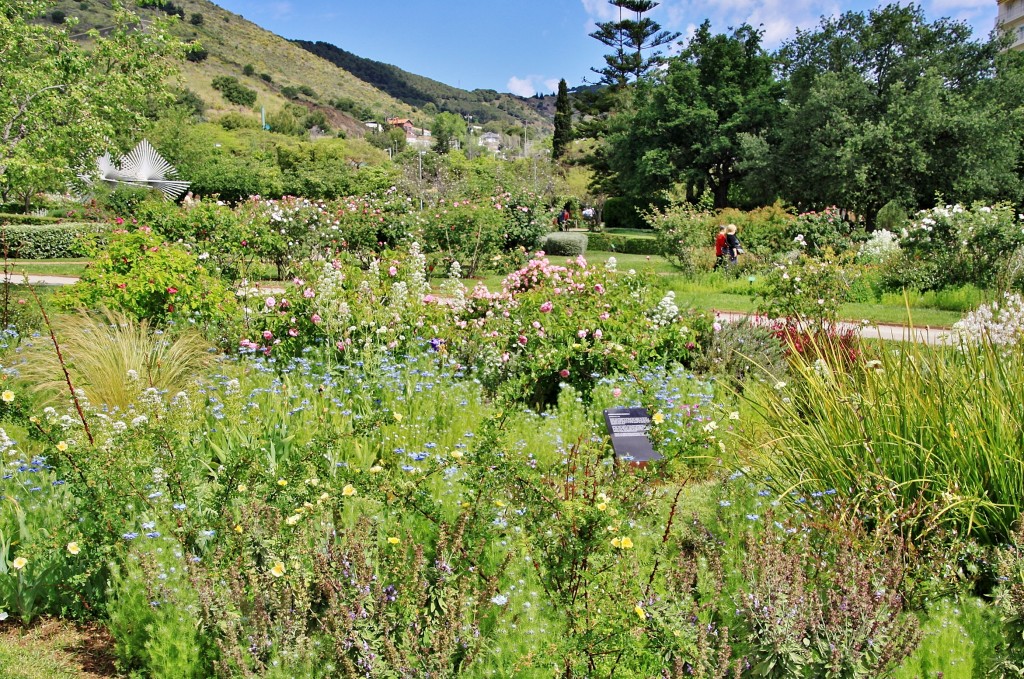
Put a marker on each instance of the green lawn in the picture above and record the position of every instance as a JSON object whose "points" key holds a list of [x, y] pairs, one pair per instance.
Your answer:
{"points": [[48, 267]]}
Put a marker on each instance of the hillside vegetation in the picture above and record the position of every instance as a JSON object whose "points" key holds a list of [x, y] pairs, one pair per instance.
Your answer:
{"points": [[484, 105], [232, 43]]}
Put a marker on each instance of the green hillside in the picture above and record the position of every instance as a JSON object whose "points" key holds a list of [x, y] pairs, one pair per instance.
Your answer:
{"points": [[483, 105], [232, 43]]}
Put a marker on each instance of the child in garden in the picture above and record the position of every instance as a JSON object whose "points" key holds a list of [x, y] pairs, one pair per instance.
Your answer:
{"points": [[732, 242], [720, 244]]}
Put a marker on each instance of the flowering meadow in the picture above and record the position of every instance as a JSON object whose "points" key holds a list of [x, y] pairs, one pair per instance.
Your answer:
{"points": [[383, 468]]}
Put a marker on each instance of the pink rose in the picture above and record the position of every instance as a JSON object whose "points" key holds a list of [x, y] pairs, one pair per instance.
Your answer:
{"points": [[616, 392], [267, 335], [172, 290], [308, 293], [316, 318], [546, 307], [392, 271], [523, 340], [294, 332], [564, 373], [598, 334], [271, 302]]}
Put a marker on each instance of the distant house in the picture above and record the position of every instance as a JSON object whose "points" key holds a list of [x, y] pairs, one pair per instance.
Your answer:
{"points": [[374, 125], [403, 123], [492, 140]]}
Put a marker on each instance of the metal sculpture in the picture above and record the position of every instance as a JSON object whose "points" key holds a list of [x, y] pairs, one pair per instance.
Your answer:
{"points": [[143, 166]]}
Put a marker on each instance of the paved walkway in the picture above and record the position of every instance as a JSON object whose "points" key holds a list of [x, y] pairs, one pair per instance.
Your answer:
{"points": [[882, 331], [33, 279]]}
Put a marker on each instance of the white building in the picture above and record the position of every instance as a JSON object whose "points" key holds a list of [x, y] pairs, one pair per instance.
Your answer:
{"points": [[1011, 20]]}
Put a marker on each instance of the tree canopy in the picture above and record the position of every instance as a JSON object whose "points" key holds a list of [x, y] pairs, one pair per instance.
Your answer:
{"points": [[62, 103]]}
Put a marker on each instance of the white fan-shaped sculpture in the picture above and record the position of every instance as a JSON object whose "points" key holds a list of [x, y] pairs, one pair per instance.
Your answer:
{"points": [[144, 166]]}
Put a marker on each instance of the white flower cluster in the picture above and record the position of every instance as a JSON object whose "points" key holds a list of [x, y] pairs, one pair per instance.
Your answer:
{"points": [[880, 247], [666, 312], [453, 289], [330, 301], [999, 323], [418, 284]]}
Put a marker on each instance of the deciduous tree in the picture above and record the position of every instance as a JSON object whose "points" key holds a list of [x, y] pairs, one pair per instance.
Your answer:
{"points": [[63, 103]]}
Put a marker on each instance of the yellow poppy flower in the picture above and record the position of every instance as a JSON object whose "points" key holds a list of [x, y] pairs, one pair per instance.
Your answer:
{"points": [[242, 488], [616, 543], [62, 446], [278, 569], [398, 417], [394, 541], [348, 491], [238, 528], [73, 548], [19, 563], [640, 612], [603, 506], [282, 482], [7, 396], [626, 543], [658, 418]]}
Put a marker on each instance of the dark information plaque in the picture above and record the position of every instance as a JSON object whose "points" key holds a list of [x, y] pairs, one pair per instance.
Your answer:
{"points": [[628, 429]]}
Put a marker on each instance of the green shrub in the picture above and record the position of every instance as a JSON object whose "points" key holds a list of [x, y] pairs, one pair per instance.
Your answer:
{"points": [[124, 199], [892, 217], [566, 244], [626, 245], [35, 220], [619, 213], [234, 91], [48, 241]]}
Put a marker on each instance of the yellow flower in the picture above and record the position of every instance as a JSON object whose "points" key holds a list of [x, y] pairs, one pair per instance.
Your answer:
{"points": [[658, 418], [282, 482], [465, 505], [626, 543], [242, 488], [499, 504], [293, 519], [7, 396], [603, 506], [238, 528], [734, 415], [376, 469], [457, 454], [616, 542], [348, 491], [73, 548], [34, 419], [398, 417], [640, 612], [324, 497], [394, 541], [62, 446], [677, 633], [278, 569], [19, 563]]}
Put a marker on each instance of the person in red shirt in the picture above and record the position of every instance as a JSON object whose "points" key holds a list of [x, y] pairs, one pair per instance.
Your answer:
{"points": [[720, 248]]}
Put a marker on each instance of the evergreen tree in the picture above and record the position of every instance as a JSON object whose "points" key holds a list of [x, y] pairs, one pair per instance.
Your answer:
{"points": [[563, 121], [629, 38]]}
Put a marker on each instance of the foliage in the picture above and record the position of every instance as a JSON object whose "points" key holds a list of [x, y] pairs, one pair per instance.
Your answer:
{"points": [[879, 247], [566, 244], [952, 245], [148, 278], [110, 354], [622, 244], [916, 432], [745, 350], [49, 241], [818, 232], [629, 38], [809, 291], [885, 106], [685, 125], [471, 233], [563, 121], [64, 102], [1009, 602], [448, 128], [234, 91], [681, 230]]}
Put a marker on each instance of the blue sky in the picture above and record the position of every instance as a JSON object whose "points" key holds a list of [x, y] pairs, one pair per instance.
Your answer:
{"points": [[527, 45]]}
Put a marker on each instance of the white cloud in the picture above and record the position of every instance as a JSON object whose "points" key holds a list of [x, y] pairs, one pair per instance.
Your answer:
{"points": [[521, 86], [600, 10], [529, 85], [779, 19]]}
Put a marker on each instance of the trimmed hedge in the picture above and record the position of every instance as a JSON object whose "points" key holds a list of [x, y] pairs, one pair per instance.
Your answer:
{"points": [[566, 244], [47, 241], [626, 245], [11, 218]]}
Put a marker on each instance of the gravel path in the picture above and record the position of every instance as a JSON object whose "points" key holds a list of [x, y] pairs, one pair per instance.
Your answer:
{"points": [[891, 333]]}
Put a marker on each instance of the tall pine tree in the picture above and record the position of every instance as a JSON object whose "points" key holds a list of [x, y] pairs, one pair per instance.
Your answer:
{"points": [[563, 121], [630, 37]]}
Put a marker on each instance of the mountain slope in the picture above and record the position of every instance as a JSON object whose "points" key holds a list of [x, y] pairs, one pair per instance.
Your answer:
{"points": [[234, 42], [419, 91]]}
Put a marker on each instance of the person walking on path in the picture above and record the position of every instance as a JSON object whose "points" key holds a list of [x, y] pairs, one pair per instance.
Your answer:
{"points": [[732, 243], [720, 244]]}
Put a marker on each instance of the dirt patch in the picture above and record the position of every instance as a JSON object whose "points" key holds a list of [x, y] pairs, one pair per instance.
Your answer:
{"points": [[57, 648]]}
